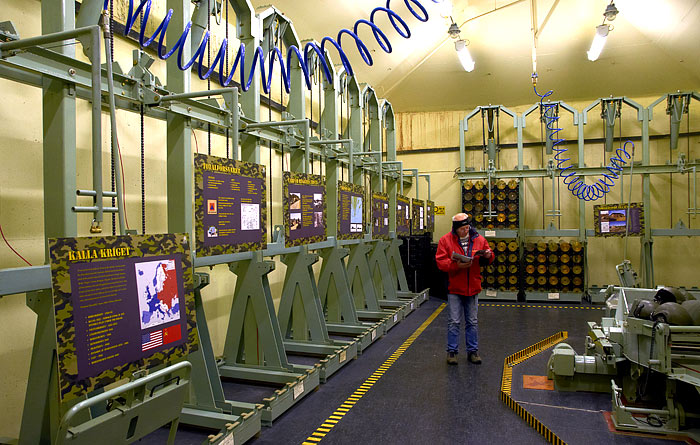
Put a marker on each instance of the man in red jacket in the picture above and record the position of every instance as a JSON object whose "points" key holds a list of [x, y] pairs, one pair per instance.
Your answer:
{"points": [[465, 282]]}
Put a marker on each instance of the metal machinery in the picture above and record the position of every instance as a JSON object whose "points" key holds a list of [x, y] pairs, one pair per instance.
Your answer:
{"points": [[359, 297], [491, 171], [649, 366]]}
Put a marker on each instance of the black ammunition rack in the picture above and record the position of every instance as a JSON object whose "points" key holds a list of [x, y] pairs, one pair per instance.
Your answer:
{"points": [[505, 203], [504, 273], [553, 267]]}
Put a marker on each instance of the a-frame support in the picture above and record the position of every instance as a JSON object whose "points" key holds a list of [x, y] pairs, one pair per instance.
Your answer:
{"points": [[302, 321], [254, 349], [363, 290], [383, 281], [337, 300], [207, 406]]}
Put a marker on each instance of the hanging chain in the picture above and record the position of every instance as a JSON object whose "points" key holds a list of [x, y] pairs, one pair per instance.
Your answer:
{"points": [[111, 58], [209, 67], [143, 175], [227, 71]]}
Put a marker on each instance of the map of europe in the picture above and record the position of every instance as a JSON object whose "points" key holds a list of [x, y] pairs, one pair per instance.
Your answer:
{"points": [[157, 286], [356, 212]]}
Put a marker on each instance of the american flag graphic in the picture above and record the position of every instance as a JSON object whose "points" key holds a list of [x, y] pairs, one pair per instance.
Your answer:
{"points": [[151, 340]]}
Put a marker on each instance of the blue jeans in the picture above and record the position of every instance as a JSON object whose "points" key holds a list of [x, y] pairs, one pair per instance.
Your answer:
{"points": [[458, 305]]}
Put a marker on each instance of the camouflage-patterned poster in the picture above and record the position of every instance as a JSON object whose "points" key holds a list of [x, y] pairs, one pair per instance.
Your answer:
{"points": [[230, 206], [380, 215], [418, 222], [430, 216], [351, 213], [303, 208], [122, 304], [615, 220], [403, 215]]}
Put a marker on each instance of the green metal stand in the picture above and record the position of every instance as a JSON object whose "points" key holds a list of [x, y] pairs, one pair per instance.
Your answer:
{"points": [[47, 420], [384, 284], [41, 403], [254, 350], [137, 409], [366, 302], [41, 412], [207, 406], [301, 317], [337, 301]]}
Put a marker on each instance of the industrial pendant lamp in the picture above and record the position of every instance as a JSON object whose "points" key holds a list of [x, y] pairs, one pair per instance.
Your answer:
{"points": [[601, 32], [465, 58]]}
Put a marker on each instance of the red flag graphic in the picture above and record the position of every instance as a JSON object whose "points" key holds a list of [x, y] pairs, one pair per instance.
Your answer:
{"points": [[171, 334]]}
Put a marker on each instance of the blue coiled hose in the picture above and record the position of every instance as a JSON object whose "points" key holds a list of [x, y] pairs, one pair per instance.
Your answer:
{"points": [[576, 184], [414, 6]]}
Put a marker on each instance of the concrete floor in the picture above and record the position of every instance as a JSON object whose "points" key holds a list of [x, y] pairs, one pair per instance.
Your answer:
{"points": [[422, 400]]}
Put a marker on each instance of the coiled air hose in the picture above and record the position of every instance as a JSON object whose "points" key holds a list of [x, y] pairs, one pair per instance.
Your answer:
{"points": [[400, 25], [576, 183]]}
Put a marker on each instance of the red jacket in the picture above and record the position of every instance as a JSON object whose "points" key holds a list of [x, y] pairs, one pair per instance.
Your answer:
{"points": [[462, 281]]}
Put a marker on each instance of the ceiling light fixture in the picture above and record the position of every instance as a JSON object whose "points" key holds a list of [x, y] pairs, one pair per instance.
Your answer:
{"points": [[610, 12], [454, 31], [463, 53], [464, 56], [601, 32]]}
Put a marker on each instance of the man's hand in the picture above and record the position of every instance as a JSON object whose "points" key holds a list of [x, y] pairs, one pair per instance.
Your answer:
{"points": [[488, 254], [464, 264]]}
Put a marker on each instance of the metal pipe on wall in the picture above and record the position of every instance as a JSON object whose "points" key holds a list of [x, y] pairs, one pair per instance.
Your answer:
{"points": [[7, 48], [116, 153]]}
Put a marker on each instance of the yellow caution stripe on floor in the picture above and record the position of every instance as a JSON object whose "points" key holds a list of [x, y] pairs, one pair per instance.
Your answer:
{"points": [[345, 406], [507, 382], [542, 306]]}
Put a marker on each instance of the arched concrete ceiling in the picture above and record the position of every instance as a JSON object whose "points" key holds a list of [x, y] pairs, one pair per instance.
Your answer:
{"points": [[654, 48]]}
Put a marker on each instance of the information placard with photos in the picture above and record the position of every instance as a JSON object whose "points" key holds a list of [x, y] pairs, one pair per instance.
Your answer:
{"points": [[430, 216], [230, 206], [613, 219], [403, 215], [304, 208], [122, 304], [380, 215], [418, 222], [351, 212]]}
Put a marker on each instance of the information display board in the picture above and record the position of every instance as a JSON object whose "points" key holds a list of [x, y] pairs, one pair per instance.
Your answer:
{"points": [[403, 215], [612, 219], [304, 208], [418, 222], [430, 216], [380, 215], [351, 212], [230, 206], [122, 304]]}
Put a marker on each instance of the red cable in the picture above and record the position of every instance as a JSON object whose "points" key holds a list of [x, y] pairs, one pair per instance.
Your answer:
{"points": [[196, 144], [12, 248], [119, 150], [687, 367]]}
